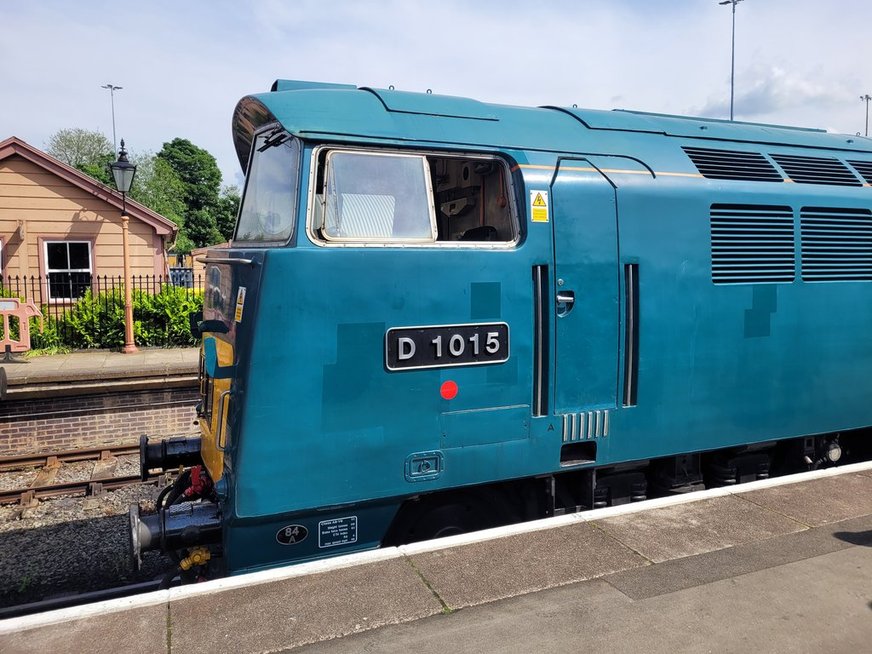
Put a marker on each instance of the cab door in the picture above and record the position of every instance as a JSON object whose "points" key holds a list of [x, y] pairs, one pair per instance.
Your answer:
{"points": [[586, 298]]}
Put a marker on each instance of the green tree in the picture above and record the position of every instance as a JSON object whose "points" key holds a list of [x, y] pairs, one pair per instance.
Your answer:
{"points": [[201, 179], [183, 244], [157, 186], [200, 227], [198, 171], [99, 170], [79, 147]]}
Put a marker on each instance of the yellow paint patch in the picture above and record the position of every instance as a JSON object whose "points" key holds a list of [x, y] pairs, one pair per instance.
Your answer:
{"points": [[210, 429]]}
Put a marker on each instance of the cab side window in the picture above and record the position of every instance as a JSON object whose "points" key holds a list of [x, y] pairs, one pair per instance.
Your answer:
{"points": [[376, 197], [472, 200], [386, 197]]}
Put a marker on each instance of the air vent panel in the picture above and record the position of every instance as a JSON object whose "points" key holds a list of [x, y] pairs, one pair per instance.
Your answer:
{"points": [[864, 168], [731, 164], [836, 244], [816, 170], [752, 244]]}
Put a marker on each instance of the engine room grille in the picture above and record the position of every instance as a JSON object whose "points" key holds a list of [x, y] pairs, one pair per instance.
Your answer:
{"points": [[864, 168], [730, 164], [816, 170], [752, 243], [836, 244]]}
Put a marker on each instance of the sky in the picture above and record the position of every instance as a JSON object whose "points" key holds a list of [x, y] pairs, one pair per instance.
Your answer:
{"points": [[184, 64]]}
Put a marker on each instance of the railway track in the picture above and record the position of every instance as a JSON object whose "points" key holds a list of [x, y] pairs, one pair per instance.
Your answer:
{"points": [[42, 486], [77, 599], [9, 463]]}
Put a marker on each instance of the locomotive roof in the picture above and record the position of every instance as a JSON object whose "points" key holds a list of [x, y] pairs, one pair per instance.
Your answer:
{"points": [[327, 111]]}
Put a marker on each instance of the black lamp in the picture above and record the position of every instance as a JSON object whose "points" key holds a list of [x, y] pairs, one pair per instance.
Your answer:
{"points": [[123, 172]]}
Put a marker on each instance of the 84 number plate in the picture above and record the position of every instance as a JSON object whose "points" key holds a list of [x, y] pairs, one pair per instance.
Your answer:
{"points": [[410, 348]]}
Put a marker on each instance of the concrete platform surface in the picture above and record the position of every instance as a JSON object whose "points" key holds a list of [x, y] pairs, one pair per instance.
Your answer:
{"points": [[781, 565], [814, 605], [101, 365]]}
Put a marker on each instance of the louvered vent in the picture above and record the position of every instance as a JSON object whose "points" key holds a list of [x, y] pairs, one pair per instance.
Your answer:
{"points": [[836, 244], [752, 243], [816, 170], [730, 164], [864, 168]]}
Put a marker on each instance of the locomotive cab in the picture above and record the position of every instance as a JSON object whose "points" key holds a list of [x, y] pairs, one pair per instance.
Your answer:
{"points": [[189, 513]]}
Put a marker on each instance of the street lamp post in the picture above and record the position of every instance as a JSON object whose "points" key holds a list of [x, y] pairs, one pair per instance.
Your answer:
{"points": [[123, 172], [733, 54], [866, 99], [112, 88]]}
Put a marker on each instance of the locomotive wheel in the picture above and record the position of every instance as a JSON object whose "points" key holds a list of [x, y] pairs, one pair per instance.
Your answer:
{"points": [[444, 516]]}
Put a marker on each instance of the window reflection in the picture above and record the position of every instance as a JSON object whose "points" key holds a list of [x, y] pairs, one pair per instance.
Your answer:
{"points": [[269, 206]]}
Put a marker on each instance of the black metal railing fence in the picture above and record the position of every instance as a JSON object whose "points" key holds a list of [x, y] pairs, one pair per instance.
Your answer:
{"points": [[81, 310]]}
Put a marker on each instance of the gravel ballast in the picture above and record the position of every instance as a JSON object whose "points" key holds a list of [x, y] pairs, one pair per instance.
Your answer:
{"points": [[69, 545]]}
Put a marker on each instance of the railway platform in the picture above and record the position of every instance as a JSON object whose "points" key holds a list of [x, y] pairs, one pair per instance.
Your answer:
{"points": [[64, 373], [771, 566]]}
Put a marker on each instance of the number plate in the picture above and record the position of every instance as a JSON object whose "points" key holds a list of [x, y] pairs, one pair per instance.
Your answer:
{"points": [[411, 348]]}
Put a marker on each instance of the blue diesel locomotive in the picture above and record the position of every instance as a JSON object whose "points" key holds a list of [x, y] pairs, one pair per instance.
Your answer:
{"points": [[438, 315]]}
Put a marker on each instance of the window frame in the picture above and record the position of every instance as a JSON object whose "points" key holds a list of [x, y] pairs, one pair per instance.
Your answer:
{"points": [[295, 189], [312, 199], [48, 270], [428, 188]]}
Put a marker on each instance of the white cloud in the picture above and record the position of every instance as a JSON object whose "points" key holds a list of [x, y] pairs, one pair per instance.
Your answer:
{"points": [[773, 90], [186, 64]]}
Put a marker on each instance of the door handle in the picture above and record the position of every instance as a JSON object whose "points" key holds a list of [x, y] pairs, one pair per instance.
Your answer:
{"points": [[565, 302]]}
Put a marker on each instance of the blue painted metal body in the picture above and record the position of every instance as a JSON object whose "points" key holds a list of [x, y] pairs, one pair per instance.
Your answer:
{"points": [[320, 431]]}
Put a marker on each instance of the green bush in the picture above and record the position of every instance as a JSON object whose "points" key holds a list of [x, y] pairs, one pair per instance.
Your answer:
{"points": [[49, 339], [97, 320], [162, 318]]}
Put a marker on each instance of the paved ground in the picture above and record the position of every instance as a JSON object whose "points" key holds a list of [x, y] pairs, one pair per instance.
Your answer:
{"points": [[776, 569], [89, 371], [817, 604], [101, 364]]}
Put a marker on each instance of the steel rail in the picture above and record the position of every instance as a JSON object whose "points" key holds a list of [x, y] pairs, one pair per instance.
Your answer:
{"points": [[77, 599], [18, 462], [85, 487]]}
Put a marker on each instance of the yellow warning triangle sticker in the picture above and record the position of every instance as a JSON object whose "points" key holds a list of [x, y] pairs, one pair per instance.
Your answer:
{"points": [[539, 201]]}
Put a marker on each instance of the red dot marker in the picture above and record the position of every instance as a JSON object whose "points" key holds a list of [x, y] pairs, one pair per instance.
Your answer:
{"points": [[448, 390]]}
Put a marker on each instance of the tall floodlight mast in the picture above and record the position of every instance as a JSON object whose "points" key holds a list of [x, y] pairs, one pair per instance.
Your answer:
{"points": [[733, 54], [112, 88]]}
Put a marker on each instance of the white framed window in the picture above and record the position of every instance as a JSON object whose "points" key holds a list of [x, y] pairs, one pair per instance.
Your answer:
{"points": [[369, 198], [68, 268], [376, 197]]}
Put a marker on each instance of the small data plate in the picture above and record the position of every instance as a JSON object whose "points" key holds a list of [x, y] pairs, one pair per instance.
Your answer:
{"points": [[339, 531]]}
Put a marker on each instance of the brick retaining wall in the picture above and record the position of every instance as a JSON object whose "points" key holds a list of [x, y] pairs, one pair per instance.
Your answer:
{"points": [[54, 424]]}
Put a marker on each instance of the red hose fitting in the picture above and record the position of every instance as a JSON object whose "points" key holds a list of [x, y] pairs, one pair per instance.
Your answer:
{"points": [[200, 483]]}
